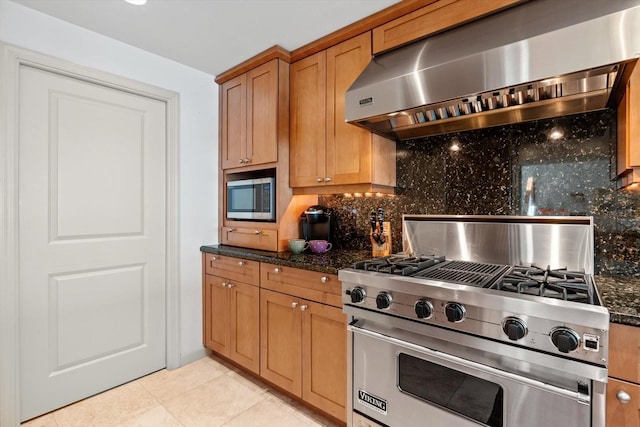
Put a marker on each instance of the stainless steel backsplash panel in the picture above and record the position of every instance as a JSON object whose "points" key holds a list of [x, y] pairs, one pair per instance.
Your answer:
{"points": [[521, 240]]}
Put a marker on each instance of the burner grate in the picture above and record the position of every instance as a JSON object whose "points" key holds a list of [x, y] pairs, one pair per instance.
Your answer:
{"points": [[399, 264], [464, 273], [559, 284]]}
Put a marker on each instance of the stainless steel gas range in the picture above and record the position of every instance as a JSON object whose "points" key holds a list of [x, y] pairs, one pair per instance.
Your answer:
{"points": [[484, 320]]}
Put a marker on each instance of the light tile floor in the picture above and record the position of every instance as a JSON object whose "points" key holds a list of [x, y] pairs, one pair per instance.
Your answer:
{"points": [[205, 393]]}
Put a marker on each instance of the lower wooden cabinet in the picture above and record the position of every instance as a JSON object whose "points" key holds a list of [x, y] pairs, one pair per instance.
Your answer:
{"points": [[281, 340], [623, 388], [324, 358], [231, 320], [282, 323], [303, 349]]}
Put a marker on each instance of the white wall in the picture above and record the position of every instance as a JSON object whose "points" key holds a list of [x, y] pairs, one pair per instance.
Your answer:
{"points": [[33, 30]]}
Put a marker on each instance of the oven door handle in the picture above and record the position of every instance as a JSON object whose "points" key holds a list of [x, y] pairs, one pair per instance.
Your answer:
{"points": [[355, 327]]}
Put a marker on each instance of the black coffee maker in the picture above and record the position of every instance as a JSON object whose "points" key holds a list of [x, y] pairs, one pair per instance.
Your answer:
{"points": [[315, 223]]}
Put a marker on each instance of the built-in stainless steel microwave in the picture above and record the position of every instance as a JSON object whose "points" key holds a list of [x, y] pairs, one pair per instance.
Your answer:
{"points": [[251, 199]]}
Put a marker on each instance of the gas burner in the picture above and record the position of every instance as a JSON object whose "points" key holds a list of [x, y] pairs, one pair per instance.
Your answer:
{"points": [[402, 265], [557, 283]]}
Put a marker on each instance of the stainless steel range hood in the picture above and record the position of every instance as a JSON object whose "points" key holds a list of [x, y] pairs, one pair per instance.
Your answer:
{"points": [[541, 59]]}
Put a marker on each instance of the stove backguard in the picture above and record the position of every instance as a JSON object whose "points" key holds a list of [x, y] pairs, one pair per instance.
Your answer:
{"points": [[551, 241]]}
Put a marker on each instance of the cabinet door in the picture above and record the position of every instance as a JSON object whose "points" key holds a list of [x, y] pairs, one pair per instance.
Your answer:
{"points": [[435, 16], [619, 412], [324, 358], [348, 146], [280, 340], [262, 114], [308, 94], [244, 346], [628, 131], [233, 122], [216, 315], [624, 352]]}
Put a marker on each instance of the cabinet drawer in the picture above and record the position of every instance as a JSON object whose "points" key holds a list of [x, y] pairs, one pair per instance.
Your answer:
{"points": [[255, 238], [232, 268], [311, 285], [623, 404]]}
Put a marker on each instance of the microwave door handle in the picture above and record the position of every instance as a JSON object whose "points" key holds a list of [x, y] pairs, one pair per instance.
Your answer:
{"points": [[449, 360]]}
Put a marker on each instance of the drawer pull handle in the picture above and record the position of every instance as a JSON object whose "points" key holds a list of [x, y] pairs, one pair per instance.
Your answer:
{"points": [[303, 307], [324, 279], [623, 397], [277, 270], [294, 304], [241, 263], [257, 232]]}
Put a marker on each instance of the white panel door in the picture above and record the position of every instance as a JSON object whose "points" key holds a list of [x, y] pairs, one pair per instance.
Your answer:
{"points": [[92, 238]]}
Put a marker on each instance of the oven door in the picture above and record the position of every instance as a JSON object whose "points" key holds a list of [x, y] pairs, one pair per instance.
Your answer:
{"points": [[398, 383]]}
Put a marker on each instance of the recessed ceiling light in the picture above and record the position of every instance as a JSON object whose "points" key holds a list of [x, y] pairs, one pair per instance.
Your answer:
{"points": [[136, 2]]}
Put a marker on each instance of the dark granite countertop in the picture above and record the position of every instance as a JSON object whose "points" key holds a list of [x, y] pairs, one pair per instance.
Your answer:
{"points": [[621, 296], [329, 262]]}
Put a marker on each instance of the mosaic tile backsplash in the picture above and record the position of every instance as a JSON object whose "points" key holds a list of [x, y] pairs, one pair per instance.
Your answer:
{"points": [[558, 166]]}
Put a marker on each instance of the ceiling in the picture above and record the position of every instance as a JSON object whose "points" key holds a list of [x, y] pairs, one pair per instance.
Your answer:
{"points": [[211, 35]]}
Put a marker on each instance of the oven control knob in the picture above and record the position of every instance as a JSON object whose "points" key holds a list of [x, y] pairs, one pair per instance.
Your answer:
{"points": [[383, 300], [514, 328], [357, 294], [424, 309], [565, 339], [455, 312]]}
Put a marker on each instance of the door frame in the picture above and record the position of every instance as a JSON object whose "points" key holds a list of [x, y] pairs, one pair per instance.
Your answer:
{"points": [[11, 59]]}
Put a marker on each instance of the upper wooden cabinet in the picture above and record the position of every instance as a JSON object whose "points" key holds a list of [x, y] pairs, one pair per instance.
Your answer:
{"points": [[249, 117], [326, 153], [434, 17], [628, 164]]}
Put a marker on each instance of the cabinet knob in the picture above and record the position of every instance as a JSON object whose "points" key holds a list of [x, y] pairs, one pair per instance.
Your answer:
{"points": [[327, 179], [223, 284], [213, 258], [294, 304], [241, 263], [231, 230], [303, 307], [623, 396], [257, 232], [277, 270], [247, 160], [318, 179], [230, 285], [324, 279], [241, 161]]}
